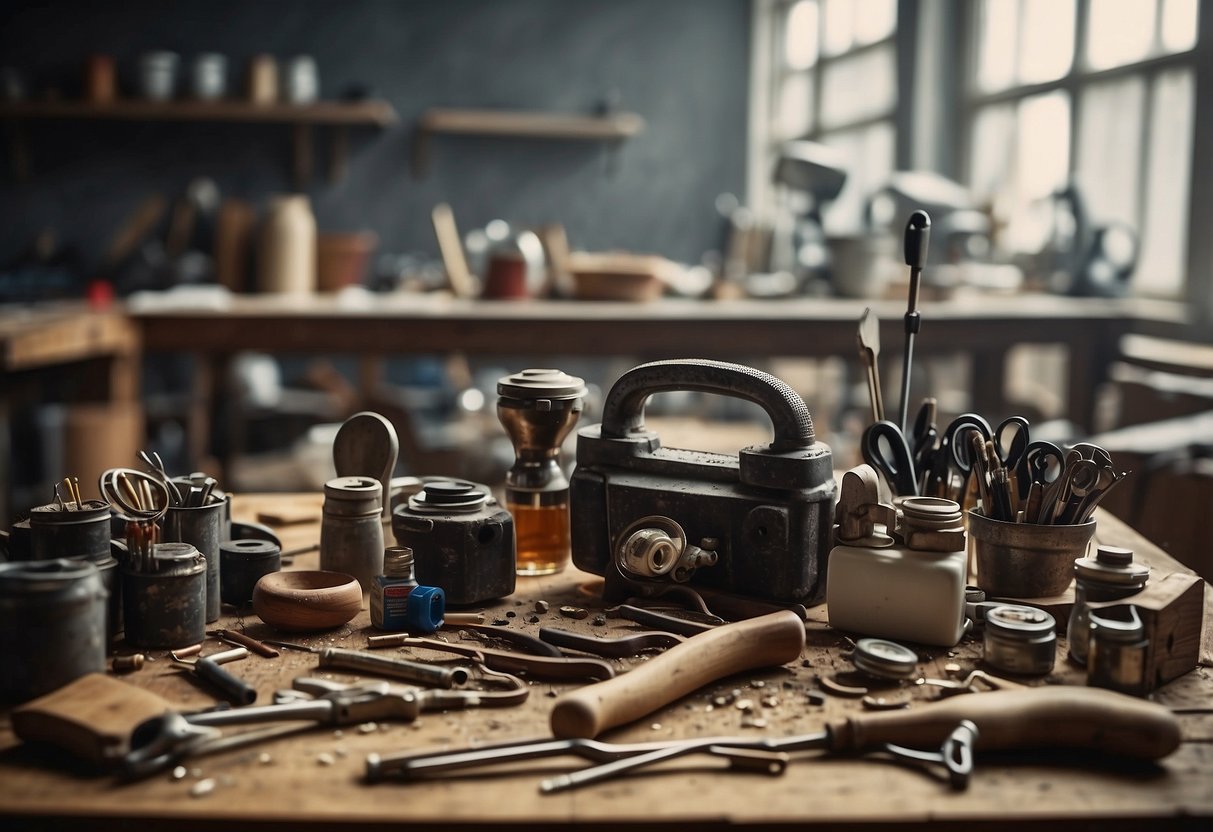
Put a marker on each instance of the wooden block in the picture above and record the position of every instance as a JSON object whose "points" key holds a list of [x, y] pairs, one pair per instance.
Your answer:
{"points": [[1172, 611]]}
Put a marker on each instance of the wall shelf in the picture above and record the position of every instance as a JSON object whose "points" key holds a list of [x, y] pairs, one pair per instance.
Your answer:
{"points": [[340, 115], [521, 124]]}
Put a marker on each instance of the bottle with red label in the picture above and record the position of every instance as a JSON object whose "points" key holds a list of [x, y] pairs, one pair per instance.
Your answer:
{"points": [[398, 603]]}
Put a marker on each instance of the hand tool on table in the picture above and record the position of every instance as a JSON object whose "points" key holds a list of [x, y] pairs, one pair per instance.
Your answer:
{"points": [[732, 648], [418, 673], [917, 239], [1054, 717], [536, 667], [868, 337], [885, 448], [366, 445], [612, 648], [170, 737], [261, 648], [207, 669]]}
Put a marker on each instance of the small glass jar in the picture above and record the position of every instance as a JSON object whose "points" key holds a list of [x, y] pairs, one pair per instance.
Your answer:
{"points": [[1109, 576], [1020, 639]]}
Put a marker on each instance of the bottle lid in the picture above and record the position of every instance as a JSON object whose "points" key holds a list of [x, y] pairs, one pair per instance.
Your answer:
{"points": [[424, 610], [541, 384], [1112, 565], [444, 496], [398, 562], [886, 659], [1019, 622]]}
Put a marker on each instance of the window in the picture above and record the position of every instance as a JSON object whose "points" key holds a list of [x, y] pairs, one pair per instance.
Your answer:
{"points": [[819, 53], [1100, 93]]}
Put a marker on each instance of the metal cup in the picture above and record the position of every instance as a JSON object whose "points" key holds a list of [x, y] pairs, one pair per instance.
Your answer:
{"points": [[203, 527], [1025, 560]]}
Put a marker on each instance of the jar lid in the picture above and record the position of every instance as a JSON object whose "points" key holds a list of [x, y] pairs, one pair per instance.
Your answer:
{"points": [[249, 548], [449, 496], [932, 512], [1112, 565], [1019, 622], [353, 488], [541, 384], [886, 659], [29, 576]]}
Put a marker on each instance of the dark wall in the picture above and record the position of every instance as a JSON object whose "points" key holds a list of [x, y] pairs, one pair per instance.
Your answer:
{"points": [[681, 64]]}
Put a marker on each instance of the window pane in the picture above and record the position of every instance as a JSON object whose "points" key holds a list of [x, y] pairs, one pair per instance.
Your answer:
{"points": [[1161, 267], [992, 155], [1109, 148], [874, 20], [1178, 25], [870, 162], [1046, 41], [999, 22], [1042, 163], [858, 87], [1119, 32], [794, 113], [839, 26], [800, 36]]}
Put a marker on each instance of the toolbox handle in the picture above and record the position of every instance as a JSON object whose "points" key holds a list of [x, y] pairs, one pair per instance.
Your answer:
{"points": [[623, 410]]}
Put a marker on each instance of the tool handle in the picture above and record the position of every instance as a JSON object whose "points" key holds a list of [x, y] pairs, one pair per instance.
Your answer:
{"points": [[917, 240], [733, 648], [623, 409], [1049, 717], [232, 687]]}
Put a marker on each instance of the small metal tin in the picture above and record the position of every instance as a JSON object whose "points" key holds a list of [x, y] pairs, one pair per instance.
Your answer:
{"points": [[885, 659], [167, 607], [243, 562], [52, 625], [1117, 658], [462, 540], [56, 532], [201, 526], [1109, 576], [1020, 639]]}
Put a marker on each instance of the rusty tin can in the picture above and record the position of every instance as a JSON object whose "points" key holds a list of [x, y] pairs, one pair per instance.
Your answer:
{"points": [[166, 607], [201, 526], [52, 625], [59, 533]]}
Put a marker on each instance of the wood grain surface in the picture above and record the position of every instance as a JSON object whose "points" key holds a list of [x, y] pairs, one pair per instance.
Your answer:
{"points": [[313, 779]]}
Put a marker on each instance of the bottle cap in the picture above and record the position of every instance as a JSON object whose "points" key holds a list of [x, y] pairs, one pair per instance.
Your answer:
{"points": [[424, 610], [541, 384]]}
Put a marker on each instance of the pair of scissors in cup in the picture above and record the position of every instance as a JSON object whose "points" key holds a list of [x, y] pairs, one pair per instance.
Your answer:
{"points": [[885, 448]]}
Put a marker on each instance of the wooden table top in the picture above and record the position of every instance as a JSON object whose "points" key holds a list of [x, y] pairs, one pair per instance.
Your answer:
{"points": [[314, 779]]}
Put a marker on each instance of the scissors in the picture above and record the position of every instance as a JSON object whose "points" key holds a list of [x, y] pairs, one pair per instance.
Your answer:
{"points": [[1043, 462], [885, 448], [925, 436]]}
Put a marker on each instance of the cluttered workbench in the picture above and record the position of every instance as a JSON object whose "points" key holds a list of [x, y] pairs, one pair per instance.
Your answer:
{"points": [[315, 778]]}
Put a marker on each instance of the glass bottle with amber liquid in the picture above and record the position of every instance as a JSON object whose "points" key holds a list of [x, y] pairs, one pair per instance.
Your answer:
{"points": [[538, 409]]}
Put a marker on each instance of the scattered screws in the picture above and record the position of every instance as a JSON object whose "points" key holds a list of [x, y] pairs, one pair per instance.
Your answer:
{"points": [[264, 758], [574, 612], [203, 787], [770, 702], [180, 772], [744, 705], [599, 621], [656, 726], [368, 728], [325, 759], [542, 606], [758, 683], [532, 619]]}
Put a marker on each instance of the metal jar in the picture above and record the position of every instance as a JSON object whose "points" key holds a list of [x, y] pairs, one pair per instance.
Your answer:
{"points": [[52, 625], [351, 533], [59, 533], [201, 526], [1109, 576], [243, 563], [166, 607], [1020, 639]]}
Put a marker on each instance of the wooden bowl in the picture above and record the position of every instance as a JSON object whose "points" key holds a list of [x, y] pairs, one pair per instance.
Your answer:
{"points": [[307, 599]]}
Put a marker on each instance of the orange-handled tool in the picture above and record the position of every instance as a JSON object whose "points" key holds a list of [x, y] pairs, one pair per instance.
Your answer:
{"points": [[765, 641]]}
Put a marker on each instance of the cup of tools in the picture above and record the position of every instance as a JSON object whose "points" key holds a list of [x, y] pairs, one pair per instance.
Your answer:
{"points": [[1025, 560]]}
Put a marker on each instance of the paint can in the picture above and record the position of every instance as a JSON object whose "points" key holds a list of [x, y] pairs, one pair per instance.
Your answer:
{"points": [[166, 607]]}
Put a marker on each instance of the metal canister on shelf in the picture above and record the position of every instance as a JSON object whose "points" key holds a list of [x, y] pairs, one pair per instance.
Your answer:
{"points": [[243, 562], [60, 532], [1020, 639], [201, 526], [52, 625], [351, 532], [1109, 576], [1117, 657], [165, 606]]}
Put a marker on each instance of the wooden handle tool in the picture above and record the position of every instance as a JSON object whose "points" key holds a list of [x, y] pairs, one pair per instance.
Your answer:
{"points": [[733, 648], [1049, 717]]}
